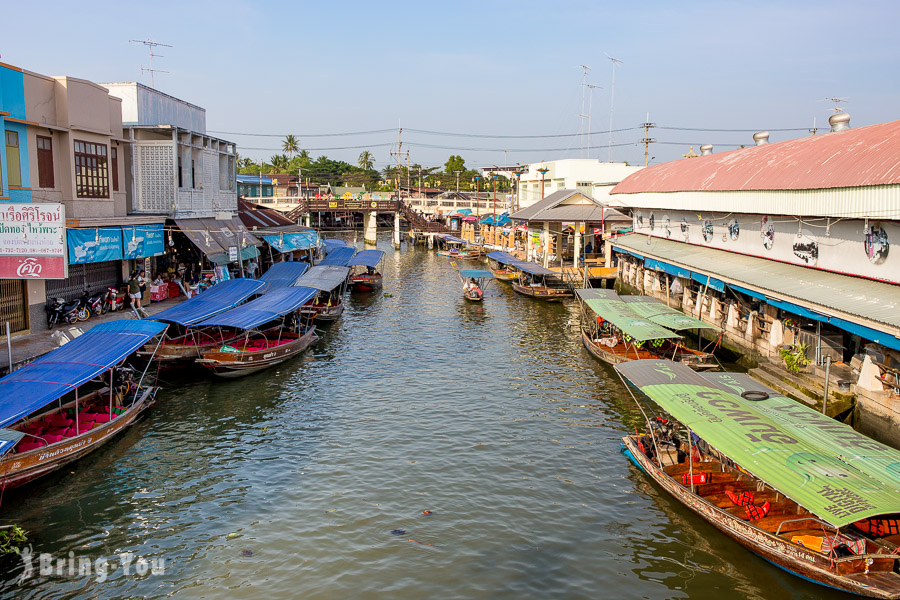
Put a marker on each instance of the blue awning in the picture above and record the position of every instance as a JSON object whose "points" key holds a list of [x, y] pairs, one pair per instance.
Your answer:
{"points": [[283, 274], [216, 299], [665, 267], [267, 307], [332, 243], [751, 293], [339, 257], [366, 258], [451, 239], [714, 283], [504, 258], [324, 277], [476, 273], [58, 372], [288, 242], [621, 250]]}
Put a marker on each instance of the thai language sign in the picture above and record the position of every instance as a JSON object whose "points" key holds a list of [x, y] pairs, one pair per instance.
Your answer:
{"points": [[32, 241], [98, 244], [142, 241]]}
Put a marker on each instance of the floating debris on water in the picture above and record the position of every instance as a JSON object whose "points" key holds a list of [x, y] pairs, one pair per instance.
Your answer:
{"points": [[398, 531], [426, 512], [246, 553]]}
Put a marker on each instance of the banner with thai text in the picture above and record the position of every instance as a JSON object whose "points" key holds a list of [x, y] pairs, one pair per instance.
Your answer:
{"points": [[142, 241], [32, 241], [94, 245]]}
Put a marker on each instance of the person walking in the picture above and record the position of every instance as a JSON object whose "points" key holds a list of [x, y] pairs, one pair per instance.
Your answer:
{"points": [[135, 293]]}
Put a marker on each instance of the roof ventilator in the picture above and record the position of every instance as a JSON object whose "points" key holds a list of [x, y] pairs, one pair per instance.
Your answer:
{"points": [[706, 149], [761, 137], [839, 121]]}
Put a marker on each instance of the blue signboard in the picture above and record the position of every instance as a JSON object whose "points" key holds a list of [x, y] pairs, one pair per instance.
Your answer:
{"points": [[94, 245], [142, 241]]}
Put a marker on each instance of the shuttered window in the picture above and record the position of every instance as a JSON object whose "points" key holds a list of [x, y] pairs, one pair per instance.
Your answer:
{"points": [[45, 162], [13, 307], [13, 165]]}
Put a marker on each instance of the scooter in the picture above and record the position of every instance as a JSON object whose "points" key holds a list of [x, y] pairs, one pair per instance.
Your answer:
{"points": [[59, 311], [83, 313], [112, 300], [93, 303]]}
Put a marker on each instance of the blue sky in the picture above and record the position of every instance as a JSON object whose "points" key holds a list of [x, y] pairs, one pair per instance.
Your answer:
{"points": [[486, 68]]}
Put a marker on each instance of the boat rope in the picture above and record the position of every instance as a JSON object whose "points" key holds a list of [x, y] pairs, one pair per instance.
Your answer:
{"points": [[640, 408]]}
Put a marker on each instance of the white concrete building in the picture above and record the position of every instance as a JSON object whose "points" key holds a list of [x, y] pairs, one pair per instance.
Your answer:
{"points": [[589, 176], [175, 168]]}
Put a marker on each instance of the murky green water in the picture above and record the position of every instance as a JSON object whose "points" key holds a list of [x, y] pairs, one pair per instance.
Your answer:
{"points": [[289, 483]]}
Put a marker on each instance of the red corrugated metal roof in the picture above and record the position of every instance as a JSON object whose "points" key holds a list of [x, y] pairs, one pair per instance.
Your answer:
{"points": [[254, 215], [850, 158]]}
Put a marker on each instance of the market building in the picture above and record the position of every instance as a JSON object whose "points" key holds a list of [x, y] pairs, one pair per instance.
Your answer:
{"points": [[589, 176], [786, 246]]}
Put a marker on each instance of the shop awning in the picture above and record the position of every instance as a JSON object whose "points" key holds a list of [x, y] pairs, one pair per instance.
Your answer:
{"points": [[324, 277], [214, 237], [851, 303], [61, 371], [283, 274], [216, 299], [288, 242], [268, 307]]}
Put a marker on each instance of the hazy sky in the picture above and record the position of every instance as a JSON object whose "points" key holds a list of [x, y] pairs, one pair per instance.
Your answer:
{"points": [[489, 68]]}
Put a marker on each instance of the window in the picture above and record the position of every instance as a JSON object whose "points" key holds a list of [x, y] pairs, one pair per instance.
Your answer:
{"points": [[13, 166], [114, 165], [45, 161], [91, 170]]}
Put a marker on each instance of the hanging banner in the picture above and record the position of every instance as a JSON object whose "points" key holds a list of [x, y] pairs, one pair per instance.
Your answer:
{"points": [[94, 245], [141, 241], [32, 241]]}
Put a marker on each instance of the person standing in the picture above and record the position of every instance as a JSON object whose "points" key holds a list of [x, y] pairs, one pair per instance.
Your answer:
{"points": [[135, 293], [251, 268]]}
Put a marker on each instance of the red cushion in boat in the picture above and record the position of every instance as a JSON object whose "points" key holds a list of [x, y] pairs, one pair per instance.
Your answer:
{"points": [[102, 418], [60, 431], [52, 438], [29, 446], [85, 417]]}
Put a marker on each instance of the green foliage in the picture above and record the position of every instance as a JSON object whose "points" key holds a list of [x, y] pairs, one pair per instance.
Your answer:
{"points": [[290, 145], [12, 539], [795, 357], [366, 160], [455, 163]]}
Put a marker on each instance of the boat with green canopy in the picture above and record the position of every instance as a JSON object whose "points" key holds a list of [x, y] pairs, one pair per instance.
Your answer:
{"points": [[803, 491]]}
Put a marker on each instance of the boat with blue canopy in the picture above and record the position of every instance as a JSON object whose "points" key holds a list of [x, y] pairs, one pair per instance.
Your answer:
{"points": [[503, 265], [803, 491], [473, 281], [72, 400], [539, 282], [454, 247], [184, 341], [283, 274], [332, 244], [331, 282], [339, 256], [364, 275], [265, 332]]}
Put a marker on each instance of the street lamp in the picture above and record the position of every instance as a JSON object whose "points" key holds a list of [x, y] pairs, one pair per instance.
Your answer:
{"points": [[518, 175], [477, 181], [543, 171], [494, 195]]}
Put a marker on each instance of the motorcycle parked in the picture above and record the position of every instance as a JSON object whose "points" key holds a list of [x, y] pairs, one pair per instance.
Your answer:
{"points": [[94, 303], [59, 311], [112, 300], [84, 308]]}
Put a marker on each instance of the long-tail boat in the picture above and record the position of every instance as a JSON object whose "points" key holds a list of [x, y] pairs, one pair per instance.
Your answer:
{"points": [[367, 278], [283, 274], [269, 330], [455, 247], [539, 282], [614, 332], [802, 491], [502, 265], [331, 281], [183, 341], [473, 281], [71, 401]]}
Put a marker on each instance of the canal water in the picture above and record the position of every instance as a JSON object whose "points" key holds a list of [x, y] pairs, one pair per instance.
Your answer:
{"points": [[310, 480]]}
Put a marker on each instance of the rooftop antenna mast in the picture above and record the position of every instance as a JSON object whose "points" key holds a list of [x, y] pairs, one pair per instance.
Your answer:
{"points": [[837, 108], [150, 45], [612, 96], [591, 87], [584, 69]]}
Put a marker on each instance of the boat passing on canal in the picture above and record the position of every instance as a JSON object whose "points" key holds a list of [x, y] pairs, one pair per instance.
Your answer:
{"points": [[455, 247], [614, 332], [473, 281], [803, 491], [269, 331], [330, 281], [541, 283], [503, 266], [71, 401], [364, 275], [183, 341]]}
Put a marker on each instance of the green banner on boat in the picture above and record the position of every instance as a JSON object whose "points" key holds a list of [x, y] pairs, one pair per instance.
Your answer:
{"points": [[657, 312], [824, 466], [608, 305]]}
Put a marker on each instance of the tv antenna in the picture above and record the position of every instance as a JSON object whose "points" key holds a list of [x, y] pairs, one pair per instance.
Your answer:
{"points": [[150, 45], [612, 96], [591, 87], [837, 108], [584, 69]]}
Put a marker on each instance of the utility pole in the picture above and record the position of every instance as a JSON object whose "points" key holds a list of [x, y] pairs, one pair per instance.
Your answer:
{"points": [[647, 139], [150, 45], [457, 180], [612, 96], [399, 153]]}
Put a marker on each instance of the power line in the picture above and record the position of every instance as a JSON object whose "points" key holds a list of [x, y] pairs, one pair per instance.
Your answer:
{"points": [[308, 135]]}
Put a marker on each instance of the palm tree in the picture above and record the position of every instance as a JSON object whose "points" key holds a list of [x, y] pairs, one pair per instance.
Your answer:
{"points": [[366, 161], [303, 155], [291, 145], [278, 162]]}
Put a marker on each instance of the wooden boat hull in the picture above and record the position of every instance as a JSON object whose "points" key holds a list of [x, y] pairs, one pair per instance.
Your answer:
{"points": [[21, 468], [606, 354], [366, 283], [504, 275], [546, 294], [323, 313], [809, 565], [238, 364], [473, 297], [174, 352]]}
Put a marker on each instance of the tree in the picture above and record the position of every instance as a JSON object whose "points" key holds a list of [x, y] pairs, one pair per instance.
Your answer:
{"points": [[366, 161], [279, 163], [454, 163], [290, 145]]}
